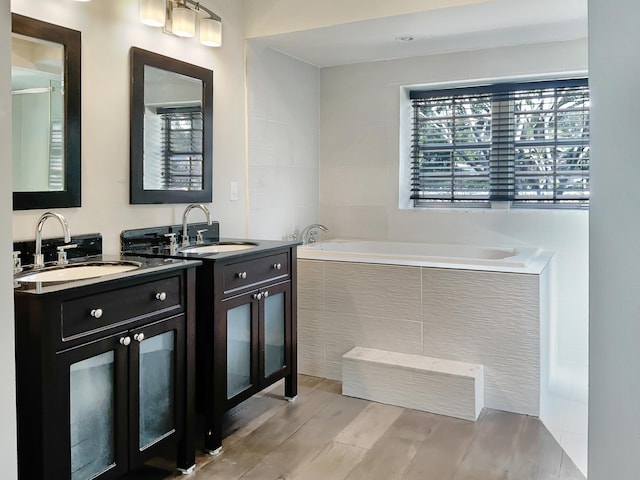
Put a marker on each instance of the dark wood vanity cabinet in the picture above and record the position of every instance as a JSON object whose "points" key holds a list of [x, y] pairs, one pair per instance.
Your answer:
{"points": [[105, 376], [246, 332]]}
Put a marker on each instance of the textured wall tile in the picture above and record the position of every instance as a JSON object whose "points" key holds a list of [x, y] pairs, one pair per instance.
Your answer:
{"points": [[311, 339], [333, 370], [313, 367], [379, 383], [373, 290], [444, 395], [310, 285], [343, 332], [488, 318], [367, 376], [491, 319]]}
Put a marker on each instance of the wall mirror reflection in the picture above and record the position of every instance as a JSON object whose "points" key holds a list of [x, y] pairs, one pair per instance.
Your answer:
{"points": [[171, 136], [45, 94]]}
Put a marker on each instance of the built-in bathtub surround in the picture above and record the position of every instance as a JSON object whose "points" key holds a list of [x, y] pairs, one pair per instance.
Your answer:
{"points": [[495, 315]]}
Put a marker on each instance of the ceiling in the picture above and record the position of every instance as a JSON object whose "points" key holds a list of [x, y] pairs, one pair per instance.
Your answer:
{"points": [[489, 24]]}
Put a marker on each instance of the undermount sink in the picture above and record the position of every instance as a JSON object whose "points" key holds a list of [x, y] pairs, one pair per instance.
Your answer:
{"points": [[78, 271], [220, 247]]}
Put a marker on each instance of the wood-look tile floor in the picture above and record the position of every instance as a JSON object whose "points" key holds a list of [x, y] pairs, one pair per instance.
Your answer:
{"points": [[326, 436]]}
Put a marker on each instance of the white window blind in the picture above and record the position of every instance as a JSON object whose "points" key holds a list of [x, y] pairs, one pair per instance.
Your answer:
{"points": [[527, 143]]}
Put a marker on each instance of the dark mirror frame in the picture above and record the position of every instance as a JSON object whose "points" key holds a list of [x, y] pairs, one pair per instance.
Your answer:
{"points": [[138, 195], [71, 40]]}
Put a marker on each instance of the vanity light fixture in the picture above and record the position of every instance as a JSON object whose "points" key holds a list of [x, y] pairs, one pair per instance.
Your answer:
{"points": [[178, 17]]}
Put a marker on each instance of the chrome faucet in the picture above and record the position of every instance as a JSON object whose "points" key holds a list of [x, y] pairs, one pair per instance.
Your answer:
{"points": [[185, 235], [38, 258], [308, 234]]}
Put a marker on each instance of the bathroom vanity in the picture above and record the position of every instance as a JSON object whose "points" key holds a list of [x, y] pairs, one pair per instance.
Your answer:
{"points": [[105, 370], [245, 320], [246, 330]]}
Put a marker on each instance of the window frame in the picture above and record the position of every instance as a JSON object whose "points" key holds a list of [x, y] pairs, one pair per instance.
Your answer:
{"points": [[500, 172]]}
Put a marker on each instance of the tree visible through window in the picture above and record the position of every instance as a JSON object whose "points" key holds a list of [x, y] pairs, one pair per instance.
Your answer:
{"points": [[527, 143]]}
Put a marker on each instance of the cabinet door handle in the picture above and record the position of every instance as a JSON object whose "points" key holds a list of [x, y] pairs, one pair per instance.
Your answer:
{"points": [[277, 266], [125, 341], [96, 313], [265, 294], [257, 296], [162, 296], [138, 337], [241, 275]]}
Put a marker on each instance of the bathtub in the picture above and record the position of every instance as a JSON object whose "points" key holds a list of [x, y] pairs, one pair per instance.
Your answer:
{"points": [[488, 306], [521, 259]]}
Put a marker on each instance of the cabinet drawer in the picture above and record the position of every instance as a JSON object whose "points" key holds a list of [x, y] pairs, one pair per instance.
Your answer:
{"points": [[259, 270], [87, 315]]}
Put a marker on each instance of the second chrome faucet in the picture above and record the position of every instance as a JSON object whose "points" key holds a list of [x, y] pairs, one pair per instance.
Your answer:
{"points": [[185, 233]]}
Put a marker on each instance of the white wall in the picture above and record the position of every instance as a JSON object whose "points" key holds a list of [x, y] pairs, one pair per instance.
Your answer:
{"points": [[614, 384], [283, 124], [8, 439], [109, 29], [359, 165]]}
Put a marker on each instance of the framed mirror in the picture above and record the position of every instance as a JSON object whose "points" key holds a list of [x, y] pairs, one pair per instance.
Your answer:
{"points": [[171, 134], [45, 94]]}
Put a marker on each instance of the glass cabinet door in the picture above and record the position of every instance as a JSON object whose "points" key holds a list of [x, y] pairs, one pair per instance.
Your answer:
{"points": [[92, 415], [274, 333], [115, 402], [238, 349], [156, 388], [91, 399]]}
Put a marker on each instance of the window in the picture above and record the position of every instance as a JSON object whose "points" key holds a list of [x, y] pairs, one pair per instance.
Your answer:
{"points": [[527, 143], [181, 148]]}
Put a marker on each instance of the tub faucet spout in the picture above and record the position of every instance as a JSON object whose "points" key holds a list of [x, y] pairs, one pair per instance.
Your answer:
{"points": [[308, 234]]}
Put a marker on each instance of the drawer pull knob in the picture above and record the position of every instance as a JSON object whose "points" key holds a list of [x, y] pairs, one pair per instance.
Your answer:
{"points": [[162, 296], [138, 337], [96, 313], [277, 266], [125, 341], [257, 296], [265, 294], [241, 275]]}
